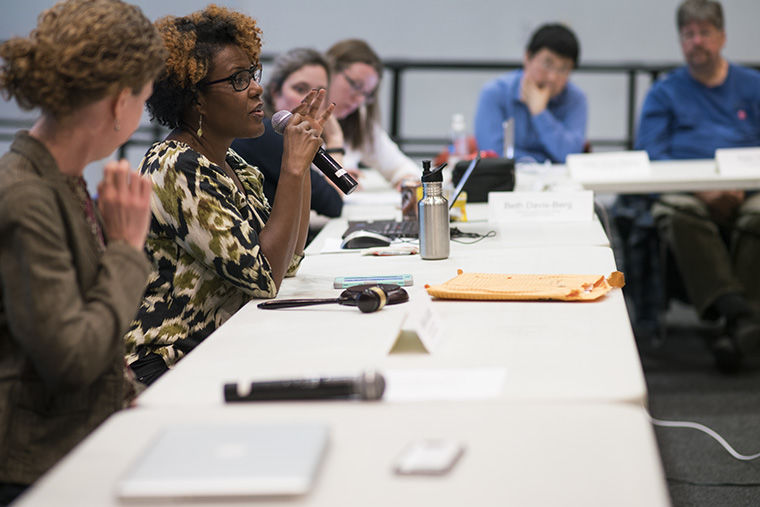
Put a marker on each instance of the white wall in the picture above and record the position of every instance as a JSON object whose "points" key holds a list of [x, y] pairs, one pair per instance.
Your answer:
{"points": [[609, 31]]}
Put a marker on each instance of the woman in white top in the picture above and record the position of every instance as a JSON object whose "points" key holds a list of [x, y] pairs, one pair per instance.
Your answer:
{"points": [[356, 72]]}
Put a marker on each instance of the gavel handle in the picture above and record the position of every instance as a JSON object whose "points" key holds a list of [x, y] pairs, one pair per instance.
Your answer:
{"points": [[292, 303]]}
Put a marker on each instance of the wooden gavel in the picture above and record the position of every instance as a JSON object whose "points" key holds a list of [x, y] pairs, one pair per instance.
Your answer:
{"points": [[368, 298]]}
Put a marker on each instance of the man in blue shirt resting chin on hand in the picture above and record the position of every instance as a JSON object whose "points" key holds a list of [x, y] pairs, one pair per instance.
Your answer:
{"points": [[714, 236], [549, 112]]}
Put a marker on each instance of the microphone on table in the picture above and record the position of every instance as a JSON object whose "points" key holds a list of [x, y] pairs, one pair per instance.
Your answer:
{"points": [[370, 385], [322, 159]]}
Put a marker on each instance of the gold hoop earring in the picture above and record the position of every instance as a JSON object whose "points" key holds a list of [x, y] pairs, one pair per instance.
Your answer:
{"points": [[117, 125], [199, 132]]}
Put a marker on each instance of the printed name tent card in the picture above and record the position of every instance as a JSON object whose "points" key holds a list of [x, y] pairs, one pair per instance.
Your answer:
{"points": [[608, 166], [738, 161], [566, 206], [421, 331]]}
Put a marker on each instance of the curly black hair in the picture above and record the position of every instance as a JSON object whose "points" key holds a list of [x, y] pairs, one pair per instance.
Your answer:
{"points": [[192, 42]]}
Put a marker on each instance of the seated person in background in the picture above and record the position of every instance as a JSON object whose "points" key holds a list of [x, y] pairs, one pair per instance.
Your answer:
{"points": [[356, 72], [709, 104], [71, 277], [549, 112], [214, 240], [292, 76]]}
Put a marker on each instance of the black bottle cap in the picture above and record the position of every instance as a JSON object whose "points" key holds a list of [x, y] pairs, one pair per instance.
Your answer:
{"points": [[432, 176]]}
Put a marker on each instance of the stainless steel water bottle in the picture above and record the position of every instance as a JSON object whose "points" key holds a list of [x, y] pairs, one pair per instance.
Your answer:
{"points": [[433, 215]]}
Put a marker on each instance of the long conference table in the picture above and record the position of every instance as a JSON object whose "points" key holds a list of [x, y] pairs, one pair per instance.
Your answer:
{"points": [[547, 398]]}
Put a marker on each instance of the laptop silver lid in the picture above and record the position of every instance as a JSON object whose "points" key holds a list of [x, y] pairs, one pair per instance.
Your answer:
{"points": [[223, 460]]}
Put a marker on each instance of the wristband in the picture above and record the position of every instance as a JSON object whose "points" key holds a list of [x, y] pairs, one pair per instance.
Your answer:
{"points": [[341, 151]]}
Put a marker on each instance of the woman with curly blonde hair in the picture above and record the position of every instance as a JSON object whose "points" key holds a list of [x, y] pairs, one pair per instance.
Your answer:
{"points": [[214, 239], [71, 276]]}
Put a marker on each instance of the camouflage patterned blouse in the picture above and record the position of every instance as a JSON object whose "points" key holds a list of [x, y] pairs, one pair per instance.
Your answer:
{"points": [[204, 244]]}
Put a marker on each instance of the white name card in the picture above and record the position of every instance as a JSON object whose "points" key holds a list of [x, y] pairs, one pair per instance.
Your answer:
{"points": [[421, 330], [451, 384], [608, 165], [738, 161], [576, 206]]}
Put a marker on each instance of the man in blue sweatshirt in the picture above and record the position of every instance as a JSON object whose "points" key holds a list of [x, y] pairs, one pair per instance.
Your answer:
{"points": [[715, 235], [549, 111]]}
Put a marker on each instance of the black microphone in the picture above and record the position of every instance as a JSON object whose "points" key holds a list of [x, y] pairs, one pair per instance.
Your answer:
{"points": [[322, 159], [367, 386]]}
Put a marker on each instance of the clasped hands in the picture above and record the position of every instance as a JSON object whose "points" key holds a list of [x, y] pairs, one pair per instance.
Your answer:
{"points": [[124, 203], [722, 204]]}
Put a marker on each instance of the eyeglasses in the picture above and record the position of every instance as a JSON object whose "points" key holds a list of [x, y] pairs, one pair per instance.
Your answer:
{"points": [[305, 88], [369, 97], [704, 33], [549, 66], [241, 79]]}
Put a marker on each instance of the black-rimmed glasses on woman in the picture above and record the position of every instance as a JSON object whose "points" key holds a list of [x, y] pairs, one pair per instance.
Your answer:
{"points": [[241, 79]]}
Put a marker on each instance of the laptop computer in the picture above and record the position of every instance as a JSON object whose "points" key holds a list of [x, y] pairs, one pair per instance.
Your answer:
{"points": [[223, 460], [406, 228]]}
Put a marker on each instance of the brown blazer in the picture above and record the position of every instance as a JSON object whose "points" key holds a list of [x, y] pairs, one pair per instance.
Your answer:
{"points": [[64, 309]]}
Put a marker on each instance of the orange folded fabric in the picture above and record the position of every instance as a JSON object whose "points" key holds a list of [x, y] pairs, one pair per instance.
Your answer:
{"points": [[502, 287]]}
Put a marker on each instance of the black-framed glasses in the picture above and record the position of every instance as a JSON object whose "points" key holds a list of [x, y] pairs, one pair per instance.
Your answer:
{"points": [[241, 79], [369, 97]]}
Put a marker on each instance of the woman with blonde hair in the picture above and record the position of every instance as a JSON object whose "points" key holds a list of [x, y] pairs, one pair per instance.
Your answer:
{"points": [[356, 73], [71, 273]]}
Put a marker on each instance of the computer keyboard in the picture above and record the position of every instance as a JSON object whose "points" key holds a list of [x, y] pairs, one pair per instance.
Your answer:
{"points": [[390, 228], [394, 229], [404, 229]]}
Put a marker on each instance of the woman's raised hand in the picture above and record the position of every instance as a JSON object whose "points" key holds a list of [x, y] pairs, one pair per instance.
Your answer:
{"points": [[124, 202], [302, 136]]}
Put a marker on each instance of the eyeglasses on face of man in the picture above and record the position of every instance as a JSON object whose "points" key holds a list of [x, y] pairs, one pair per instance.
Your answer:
{"points": [[705, 32], [241, 79], [550, 65]]}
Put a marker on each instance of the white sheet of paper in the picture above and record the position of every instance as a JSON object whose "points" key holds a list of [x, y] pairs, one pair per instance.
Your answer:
{"points": [[332, 245], [454, 384]]}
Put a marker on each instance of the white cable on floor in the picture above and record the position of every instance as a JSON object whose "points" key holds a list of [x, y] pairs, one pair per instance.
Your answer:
{"points": [[709, 431]]}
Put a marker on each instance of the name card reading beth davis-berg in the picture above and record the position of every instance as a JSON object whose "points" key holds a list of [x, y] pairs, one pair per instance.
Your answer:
{"points": [[575, 206]]}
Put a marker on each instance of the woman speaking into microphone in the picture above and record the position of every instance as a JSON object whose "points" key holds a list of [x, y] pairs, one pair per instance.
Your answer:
{"points": [[214, 239]]}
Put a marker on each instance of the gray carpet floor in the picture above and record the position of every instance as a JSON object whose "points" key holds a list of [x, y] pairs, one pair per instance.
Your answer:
{"points": [[683, 384]]}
